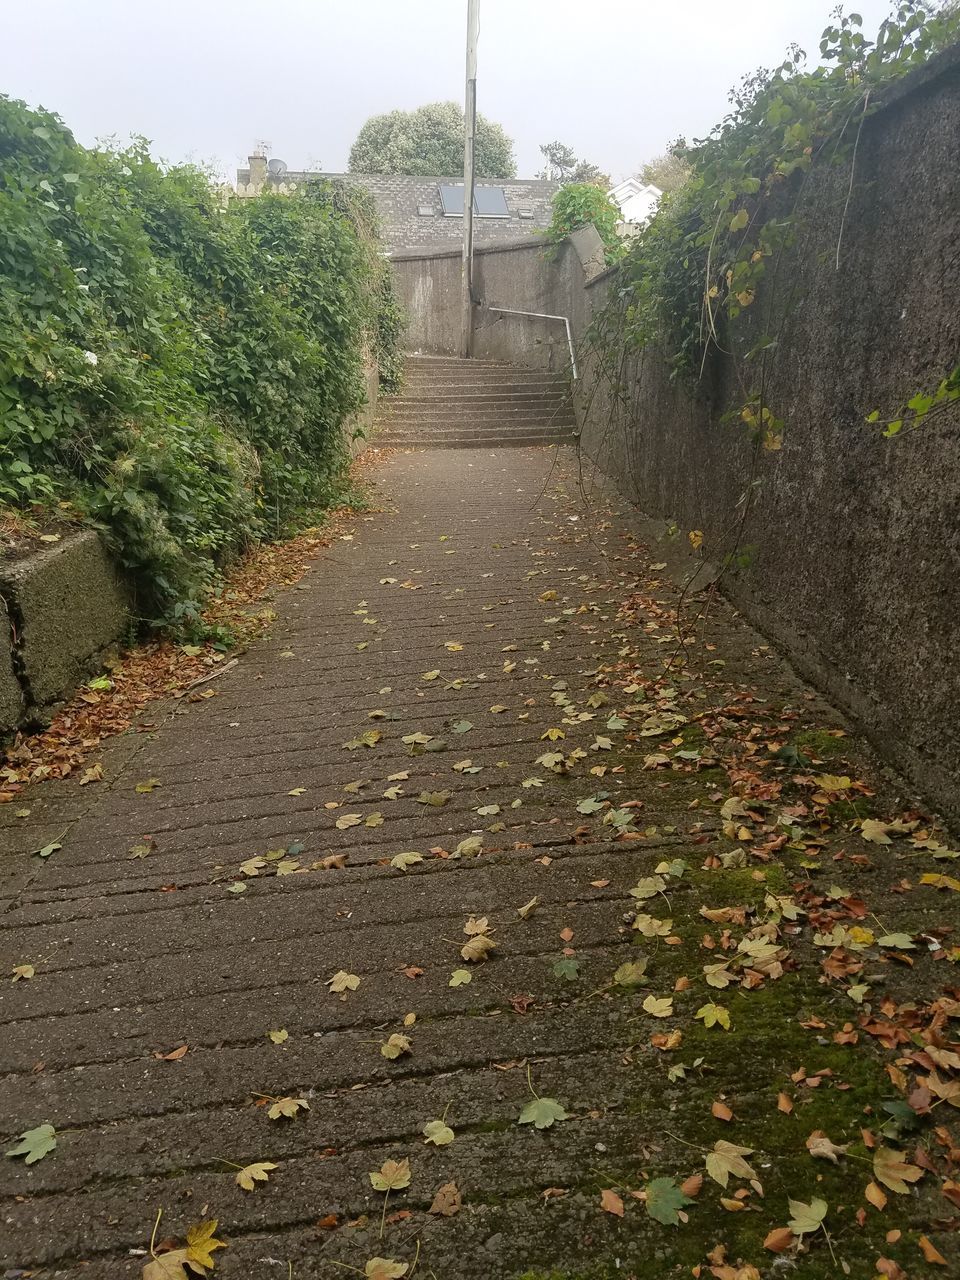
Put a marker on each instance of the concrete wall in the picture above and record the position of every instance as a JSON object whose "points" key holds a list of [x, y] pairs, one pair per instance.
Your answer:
{"points": [[855, 539], [527, 276], [60, 608]]}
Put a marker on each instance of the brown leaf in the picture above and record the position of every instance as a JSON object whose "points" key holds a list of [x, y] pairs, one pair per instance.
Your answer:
{"points": [[779, 1239], [167, 1266], [447, 1201], [784, 1103], [174, 1055], [820, 1146], [891, 1269], [721, 1111], [931, 1253], [610, 1202], [875, 1196], [692, 1186]]}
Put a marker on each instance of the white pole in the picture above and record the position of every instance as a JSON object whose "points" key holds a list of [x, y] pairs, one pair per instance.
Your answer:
{"points": [[469, 137]]}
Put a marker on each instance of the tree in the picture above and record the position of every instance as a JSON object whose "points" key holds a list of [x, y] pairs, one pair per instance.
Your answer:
{"points": [[428, 142], [669, 171], [562, 165]]}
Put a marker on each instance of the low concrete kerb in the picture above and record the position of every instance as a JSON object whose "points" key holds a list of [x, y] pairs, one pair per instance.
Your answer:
{"points": [[63, 607]]}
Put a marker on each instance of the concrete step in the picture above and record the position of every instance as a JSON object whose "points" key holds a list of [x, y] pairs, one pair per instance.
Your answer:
{"points": [[477, 394], [471, 442], [444, 409], [466, 432], [479, 405]]}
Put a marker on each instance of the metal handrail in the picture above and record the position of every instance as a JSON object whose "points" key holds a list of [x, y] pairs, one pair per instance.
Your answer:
{"points": [[542, 315]]}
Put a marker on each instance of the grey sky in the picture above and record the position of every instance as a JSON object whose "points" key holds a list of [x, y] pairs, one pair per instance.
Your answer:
{"points": [[616, 79]]}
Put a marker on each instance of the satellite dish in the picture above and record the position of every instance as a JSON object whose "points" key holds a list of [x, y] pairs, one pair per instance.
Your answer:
{"points": [[277, 167]]}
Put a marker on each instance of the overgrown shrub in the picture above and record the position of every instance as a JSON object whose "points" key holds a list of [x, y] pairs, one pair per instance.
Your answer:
{"points": [[577, 205], [177, 369]]}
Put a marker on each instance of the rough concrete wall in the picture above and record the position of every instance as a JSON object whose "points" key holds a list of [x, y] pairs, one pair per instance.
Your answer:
{"points": [[524, 277], [65, 606], [855, 539], [364, 418]]}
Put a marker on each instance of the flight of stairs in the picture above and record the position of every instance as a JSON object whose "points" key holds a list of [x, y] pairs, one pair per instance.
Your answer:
{"points": [[449, 403]]}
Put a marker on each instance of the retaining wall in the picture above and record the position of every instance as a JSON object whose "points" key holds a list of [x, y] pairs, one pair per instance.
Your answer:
{"points": [[61, 608], [854, 540]]}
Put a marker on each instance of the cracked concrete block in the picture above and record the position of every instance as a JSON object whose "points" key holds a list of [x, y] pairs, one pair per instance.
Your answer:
{"points": [[67, 605], [11, 701]]}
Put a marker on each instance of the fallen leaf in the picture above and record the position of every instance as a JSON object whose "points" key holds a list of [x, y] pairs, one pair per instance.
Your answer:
{"points": [[890, 1168], [278, 1037], [395, 1046], [22, 972], [460, 978], [287, 1107], [610, 1202], [251, 1174], [401, 861], [440, 1134], [819, 1145], [393, 1175], [343, 981], [665, 1201], [201, 1243], [542, 1113], [807, 1217], [35, 1143], [477, 948], [931, 1253], [659, 1006], [779, 1239], [447, 1201], [726, 1159]]}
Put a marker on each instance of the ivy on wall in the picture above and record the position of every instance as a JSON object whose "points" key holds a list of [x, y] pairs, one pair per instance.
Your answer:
{"points": [[175, 367], [694, 280]]}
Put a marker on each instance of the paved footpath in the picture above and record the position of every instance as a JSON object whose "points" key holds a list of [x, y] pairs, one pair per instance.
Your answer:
{"points": [[457, 682]]}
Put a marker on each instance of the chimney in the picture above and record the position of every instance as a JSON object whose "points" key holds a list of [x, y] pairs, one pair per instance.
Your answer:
{"points": [[258, 171]]}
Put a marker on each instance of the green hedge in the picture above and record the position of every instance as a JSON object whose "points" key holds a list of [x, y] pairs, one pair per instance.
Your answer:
{"points": [[177, 368]]}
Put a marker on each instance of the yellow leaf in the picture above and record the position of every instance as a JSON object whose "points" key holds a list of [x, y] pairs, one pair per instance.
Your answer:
{"points": [[343, 981], [396, 1045], [201, 1243], [393, 1175], [659, 1006], [251, 1174], [278, 1037], [477, 948], [696, 538], [287, 1107]]}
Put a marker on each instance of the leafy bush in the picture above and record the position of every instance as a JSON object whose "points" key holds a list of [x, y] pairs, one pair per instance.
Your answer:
{"points": [[577, 205], [694, 279], [176, 369]]}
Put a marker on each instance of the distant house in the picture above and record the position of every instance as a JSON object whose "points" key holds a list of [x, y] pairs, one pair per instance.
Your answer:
{"points": [[426, 213], [637, 200]]}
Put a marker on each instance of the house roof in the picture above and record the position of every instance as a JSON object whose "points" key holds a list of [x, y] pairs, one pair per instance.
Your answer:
{"points": [[633, 187], [411, 211]]}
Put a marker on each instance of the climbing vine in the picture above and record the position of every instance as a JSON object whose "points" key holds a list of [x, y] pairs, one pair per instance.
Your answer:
{"points": [[711, 254], [175, 367]]}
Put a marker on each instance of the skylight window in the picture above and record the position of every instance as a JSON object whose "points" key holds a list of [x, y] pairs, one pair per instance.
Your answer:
{"points": [[488, 202]]}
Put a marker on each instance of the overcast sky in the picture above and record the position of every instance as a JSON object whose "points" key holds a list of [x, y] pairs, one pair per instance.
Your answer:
{"points": [[204, 79]]}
